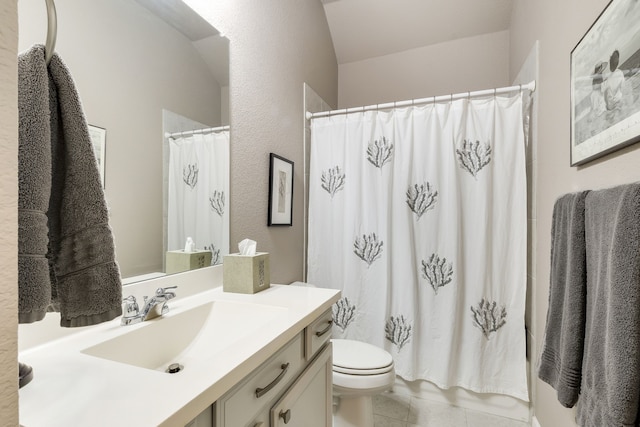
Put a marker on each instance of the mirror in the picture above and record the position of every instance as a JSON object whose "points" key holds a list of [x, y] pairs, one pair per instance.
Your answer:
{"points": [[153, 78]]}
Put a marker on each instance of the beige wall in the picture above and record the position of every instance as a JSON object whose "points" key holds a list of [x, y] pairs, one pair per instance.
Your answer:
{"points": [[8, 213], [275, 46], [558, 26], [125, 78], [463, 65]]}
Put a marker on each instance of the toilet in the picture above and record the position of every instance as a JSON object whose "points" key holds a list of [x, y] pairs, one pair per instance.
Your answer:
{"points": [[360, 370]]}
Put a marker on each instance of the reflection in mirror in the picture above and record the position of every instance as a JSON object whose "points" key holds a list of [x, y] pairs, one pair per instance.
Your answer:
{"points": [[154, 75], [196, 171]]}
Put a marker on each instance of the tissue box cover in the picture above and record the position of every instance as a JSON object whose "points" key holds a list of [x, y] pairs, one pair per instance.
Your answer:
{"points": [[177, 261], [246, 274]]}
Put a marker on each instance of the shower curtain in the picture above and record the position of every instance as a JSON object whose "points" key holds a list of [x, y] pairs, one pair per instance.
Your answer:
{"points": [[419, 216], [198, 191]]}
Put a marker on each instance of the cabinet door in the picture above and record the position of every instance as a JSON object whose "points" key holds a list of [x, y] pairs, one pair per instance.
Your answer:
{"points": [[262, 387], [307, 403]]}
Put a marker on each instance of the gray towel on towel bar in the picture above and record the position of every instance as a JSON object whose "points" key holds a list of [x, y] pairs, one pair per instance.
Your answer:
{"points": [[610, 390], [561, 357], [83, 278]]}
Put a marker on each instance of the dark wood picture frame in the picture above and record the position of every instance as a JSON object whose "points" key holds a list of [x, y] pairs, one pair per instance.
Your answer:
{"points": [[280, 191]]}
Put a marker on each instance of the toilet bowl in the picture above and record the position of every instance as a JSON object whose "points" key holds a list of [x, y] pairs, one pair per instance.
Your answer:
{"points": [[360, 370]]}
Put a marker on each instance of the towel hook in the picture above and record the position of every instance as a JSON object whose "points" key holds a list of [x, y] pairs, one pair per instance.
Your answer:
{"points": [[52, 30]]}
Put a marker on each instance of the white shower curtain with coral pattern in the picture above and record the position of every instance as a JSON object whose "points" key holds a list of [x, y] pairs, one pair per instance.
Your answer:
{"points": [[419, 216], [198, 189]]}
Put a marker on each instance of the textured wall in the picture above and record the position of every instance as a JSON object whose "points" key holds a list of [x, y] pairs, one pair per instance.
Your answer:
{"points": [[8, 213], [558, 26], [468, 64], [275, 46]]}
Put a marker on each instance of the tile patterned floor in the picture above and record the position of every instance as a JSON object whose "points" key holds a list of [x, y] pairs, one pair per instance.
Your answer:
{"points": [[398, 410]]}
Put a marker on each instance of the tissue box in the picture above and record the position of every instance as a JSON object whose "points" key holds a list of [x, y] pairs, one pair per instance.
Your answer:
{"points": [[246, 274], [177, 261]]}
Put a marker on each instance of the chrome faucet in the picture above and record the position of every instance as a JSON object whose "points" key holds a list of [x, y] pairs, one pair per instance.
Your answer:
{"points": [[153, 307]]}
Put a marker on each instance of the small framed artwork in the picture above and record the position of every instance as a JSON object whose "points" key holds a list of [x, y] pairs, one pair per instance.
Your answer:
{"points": [[280, 190], [99, 141], [605, 84]]}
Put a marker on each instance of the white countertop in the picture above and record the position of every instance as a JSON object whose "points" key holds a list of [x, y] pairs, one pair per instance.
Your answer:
{"points": [[71, 388]]}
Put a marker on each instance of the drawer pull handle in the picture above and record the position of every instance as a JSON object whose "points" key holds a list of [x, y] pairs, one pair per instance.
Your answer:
{"points": [[285, 415], [325, 330], [262, 391]]}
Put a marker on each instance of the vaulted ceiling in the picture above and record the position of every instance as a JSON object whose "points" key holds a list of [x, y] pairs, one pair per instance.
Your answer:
{"points": [[363, 29]]}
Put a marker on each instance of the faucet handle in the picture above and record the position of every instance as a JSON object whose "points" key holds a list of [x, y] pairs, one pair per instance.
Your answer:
{"points": [[163, 292], [130, 306]]}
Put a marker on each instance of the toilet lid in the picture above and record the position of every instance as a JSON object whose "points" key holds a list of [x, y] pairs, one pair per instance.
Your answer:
{"points": [[355, 357]]}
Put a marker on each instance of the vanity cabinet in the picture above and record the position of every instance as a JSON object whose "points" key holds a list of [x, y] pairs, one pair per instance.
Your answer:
{"points": [[292, 388], [307, 403], [275, 342]]}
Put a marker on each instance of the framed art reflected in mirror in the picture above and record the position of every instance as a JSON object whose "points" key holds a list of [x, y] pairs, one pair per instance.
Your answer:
{"points": [[98, 137]]}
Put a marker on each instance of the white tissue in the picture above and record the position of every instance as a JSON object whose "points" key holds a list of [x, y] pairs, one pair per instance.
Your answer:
{"points": [[247, 247], [189, 246]]}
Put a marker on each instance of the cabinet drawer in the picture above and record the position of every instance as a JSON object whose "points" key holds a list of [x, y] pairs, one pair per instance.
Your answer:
{"points": [[318, 333], [263, 385], [308, 402]]}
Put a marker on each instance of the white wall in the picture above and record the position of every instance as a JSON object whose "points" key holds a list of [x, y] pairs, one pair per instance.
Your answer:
{"points": [[8, 213], [128, 65], [463, 65], [558, 26]]}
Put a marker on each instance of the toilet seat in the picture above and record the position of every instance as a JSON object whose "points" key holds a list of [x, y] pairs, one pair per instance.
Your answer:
{"points": [[360, 371], [359, 358]]}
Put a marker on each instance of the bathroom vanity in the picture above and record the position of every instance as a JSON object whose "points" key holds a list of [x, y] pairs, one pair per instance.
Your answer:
{"points": [[292, 388], [243, 360]]}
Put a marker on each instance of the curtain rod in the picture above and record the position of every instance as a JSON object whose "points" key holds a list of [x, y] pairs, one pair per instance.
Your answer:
{"points": [[531, 86], [196, 131]]}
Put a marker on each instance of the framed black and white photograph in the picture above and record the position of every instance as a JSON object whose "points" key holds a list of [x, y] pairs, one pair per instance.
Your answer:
{"points": [[99, 141], [605, 84], [280, 190]]}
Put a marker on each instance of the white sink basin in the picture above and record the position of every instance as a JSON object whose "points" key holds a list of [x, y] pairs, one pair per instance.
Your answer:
{"points": [[186, 337]]}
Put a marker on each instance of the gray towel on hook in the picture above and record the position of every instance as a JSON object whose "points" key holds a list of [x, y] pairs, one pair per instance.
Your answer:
{"points": [[561, 357], [610, 390], [83, 278], [34, 188]]}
